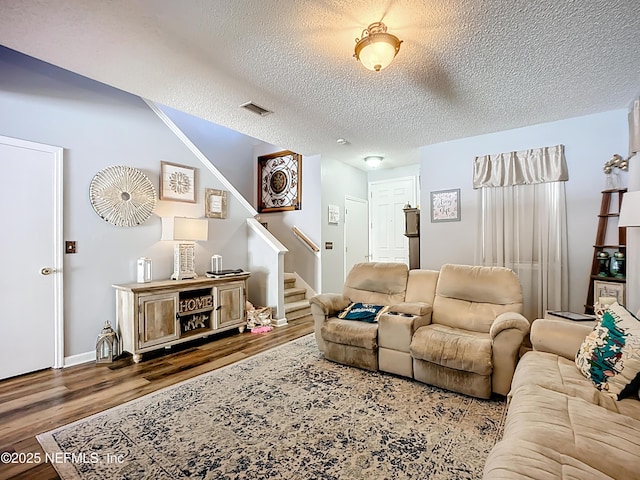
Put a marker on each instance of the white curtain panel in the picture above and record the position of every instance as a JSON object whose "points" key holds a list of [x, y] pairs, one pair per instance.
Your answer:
{"points": [[524, 226]]}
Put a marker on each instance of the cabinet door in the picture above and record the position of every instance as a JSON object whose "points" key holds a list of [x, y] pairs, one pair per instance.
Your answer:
{"points": [[229, 305], [157, 319]]}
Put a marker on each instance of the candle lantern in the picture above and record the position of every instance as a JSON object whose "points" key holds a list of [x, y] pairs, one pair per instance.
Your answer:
{"points": [[603, 261], [107, 345]]}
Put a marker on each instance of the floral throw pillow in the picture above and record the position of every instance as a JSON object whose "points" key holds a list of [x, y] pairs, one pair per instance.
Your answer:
{"points": [[610, 354]]}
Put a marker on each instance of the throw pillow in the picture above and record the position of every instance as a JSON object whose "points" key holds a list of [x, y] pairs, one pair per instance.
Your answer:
{"points": [[364, 312], [610, 354]]}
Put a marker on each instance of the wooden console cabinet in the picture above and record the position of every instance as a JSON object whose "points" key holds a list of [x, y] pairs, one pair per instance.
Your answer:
{"points": [[159, 314]]}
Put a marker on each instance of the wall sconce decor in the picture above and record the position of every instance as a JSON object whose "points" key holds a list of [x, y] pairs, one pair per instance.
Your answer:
{"points": [[185, 231]]}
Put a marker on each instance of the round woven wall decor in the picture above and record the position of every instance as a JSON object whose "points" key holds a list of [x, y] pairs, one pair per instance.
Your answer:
{"points": [[122, 196]]}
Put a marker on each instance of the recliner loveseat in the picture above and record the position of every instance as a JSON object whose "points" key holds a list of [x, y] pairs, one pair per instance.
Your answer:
{"points": [[460, 328]]}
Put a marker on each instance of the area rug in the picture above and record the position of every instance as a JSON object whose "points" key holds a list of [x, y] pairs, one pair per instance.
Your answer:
{"points": [[284, 414]]}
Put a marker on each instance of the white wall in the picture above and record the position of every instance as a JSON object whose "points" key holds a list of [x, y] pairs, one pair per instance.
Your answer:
{"points": [[99, 126], [338, 180], [229, 151], [589, 142]]}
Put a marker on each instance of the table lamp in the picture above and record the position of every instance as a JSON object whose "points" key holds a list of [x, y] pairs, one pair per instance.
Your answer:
{"points": [[184, 231], [630, 210]]}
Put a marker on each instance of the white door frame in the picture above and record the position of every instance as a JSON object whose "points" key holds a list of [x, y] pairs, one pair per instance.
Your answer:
{"points": [[57, 208], [344, 253]]}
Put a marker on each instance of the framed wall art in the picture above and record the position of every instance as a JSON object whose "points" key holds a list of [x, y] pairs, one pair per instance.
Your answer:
{"points": [[334, 214], [608, 289], [177, 182], [215, 203], [445, 205], [280, 182]]}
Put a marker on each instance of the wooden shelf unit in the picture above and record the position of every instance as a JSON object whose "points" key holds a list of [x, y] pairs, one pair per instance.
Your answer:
{"points": [[600, 245], [159, 314]]}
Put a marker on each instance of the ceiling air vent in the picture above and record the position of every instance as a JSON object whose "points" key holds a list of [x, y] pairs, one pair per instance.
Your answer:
{"points": [[252, 107]]}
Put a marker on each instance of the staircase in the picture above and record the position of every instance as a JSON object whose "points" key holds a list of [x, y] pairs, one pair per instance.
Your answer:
{"points": [[296, 303]]}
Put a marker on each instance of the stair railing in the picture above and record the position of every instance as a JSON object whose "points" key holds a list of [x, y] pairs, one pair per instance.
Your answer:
{"points": [[305, 240]]}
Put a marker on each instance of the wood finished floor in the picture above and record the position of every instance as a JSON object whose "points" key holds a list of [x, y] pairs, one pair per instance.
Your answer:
{"points": [[41, 401]]}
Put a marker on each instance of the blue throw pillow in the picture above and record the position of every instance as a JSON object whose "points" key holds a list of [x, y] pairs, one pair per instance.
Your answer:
{"points": [[364, 312]]}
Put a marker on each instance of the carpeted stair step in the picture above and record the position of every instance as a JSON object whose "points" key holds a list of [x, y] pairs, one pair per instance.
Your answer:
{"points": [[296, 304], [289, 280], [297, 310], [294, 294]]}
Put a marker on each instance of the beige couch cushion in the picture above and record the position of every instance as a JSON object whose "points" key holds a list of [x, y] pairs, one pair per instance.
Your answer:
{"points": [[376, 283], [604, 440], [524, 460], [421, 286], [351, 332], [561, 375], [453, 348], [471, 297]]}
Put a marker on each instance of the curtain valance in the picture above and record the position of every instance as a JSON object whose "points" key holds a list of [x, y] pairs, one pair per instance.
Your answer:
{"points": [[538, 165]]}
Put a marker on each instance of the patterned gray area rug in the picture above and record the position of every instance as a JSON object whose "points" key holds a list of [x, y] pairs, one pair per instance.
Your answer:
{"points": [[284, 414]]}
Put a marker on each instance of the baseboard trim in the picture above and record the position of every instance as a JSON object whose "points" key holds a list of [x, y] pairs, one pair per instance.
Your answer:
{"points": [[79, 358]]}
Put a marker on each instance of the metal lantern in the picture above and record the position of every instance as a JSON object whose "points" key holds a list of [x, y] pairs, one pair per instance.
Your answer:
{"points": [[107, 345]]}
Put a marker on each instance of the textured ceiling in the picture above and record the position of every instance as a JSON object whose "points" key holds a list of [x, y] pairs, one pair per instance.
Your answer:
{"points": [[465, 67]]}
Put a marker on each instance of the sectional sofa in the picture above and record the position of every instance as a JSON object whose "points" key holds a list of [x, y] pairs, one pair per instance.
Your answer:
{"points": [[559, 425]]}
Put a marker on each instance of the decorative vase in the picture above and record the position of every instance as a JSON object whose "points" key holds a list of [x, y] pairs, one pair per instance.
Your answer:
{"points": [[616, 267]]}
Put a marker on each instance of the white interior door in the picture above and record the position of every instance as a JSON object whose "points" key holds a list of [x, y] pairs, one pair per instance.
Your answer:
{"points": [[356, 232], [31, 240], [388, 198]]}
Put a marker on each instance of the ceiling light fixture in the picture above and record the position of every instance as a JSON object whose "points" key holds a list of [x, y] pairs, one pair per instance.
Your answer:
{"points": [[376, 48], [373, 161]]}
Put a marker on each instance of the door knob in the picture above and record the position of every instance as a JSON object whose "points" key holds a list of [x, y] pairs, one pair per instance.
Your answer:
{"points": [[47, 271]]}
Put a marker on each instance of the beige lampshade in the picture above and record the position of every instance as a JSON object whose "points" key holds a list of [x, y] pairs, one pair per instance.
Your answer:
{"points": [[630, 210], [185, 229]]}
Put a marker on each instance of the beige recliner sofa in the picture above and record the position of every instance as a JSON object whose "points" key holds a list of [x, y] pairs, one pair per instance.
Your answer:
{"points": [[472, 343], [347, 341], [460, 328]]}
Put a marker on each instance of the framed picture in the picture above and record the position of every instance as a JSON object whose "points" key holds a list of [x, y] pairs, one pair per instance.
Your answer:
{"points": [[215, 203], [608, 289], [334, 214], [445, 205], [177, 182], [280, 182]]}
